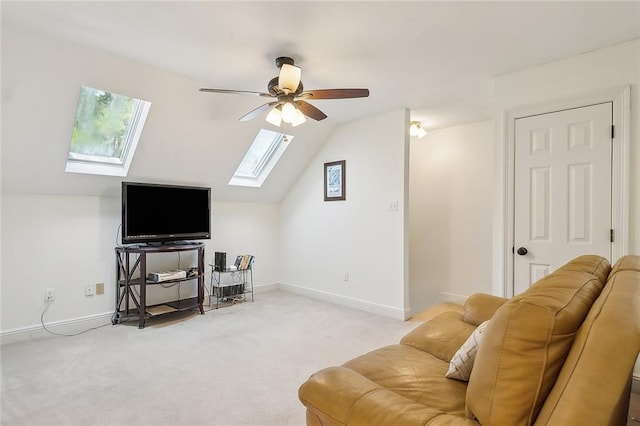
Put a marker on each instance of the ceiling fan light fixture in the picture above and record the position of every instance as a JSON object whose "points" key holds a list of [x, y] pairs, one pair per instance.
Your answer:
{"points": [[274, 117], [288, 112], [289, 78], [415, 129], [289, 97]]}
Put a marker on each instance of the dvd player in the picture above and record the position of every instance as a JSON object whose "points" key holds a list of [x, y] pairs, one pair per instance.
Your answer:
{"points": [[174, 274]]}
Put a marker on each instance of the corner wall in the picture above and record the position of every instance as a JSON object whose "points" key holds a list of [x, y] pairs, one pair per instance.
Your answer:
{"points": [[321, 242], [450, 214]]}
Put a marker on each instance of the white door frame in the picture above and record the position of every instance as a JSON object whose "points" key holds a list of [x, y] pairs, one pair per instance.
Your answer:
{"points": [[621, 99]]}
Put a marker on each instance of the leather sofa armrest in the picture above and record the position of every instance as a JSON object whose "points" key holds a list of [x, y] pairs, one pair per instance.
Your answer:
{"points": [[441, 336], [333, 393], [480, 307]]}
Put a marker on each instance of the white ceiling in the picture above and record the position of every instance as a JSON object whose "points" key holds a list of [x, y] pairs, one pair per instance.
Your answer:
{"points": [[435, 58]]}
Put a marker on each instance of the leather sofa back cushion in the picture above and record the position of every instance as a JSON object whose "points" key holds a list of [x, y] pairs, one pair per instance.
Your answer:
{"points": [[526, 343], [597, 369]]}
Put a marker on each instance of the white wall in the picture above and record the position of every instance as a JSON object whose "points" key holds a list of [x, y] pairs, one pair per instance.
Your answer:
{"points": [[450, 214], [247, 228], [557, 81], [60, 242], [321, 241], [67, 242]]}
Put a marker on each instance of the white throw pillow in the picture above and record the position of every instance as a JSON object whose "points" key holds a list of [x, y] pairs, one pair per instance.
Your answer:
{"points": [[462, 361]]}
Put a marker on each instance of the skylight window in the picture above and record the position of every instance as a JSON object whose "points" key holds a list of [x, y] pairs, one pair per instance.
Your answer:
{"points": [[264, 153], [105, 133]]}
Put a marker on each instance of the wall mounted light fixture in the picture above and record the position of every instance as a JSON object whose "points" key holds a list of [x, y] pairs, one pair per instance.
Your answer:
{"points": [[415, 129]]}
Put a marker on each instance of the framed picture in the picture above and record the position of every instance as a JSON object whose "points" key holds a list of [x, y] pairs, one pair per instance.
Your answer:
{"points": [[334, 181]]}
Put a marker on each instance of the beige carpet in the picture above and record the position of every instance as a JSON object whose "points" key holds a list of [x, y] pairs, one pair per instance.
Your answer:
{"points": [[239, 365]]}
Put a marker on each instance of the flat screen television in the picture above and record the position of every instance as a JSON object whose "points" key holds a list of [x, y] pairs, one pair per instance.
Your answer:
{"points": [[154, 213]]}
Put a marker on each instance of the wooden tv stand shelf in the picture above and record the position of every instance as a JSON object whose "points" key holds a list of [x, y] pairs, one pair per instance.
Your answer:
{"points": [[130, 259]]}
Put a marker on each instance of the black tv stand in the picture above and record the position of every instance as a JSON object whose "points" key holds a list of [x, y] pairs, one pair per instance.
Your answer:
{"points": [[132, 259]]}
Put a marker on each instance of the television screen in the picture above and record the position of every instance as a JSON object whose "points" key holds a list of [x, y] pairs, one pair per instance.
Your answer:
{"points": [[153, 213]]}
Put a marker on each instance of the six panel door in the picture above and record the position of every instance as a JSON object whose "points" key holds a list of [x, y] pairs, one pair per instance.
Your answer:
{"points": [[562, 190]]}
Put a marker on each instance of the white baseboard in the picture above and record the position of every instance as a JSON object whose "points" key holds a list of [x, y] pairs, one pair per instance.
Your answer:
{"points": [[69, 326], [349, 302], [263, 288], [75, 325]]}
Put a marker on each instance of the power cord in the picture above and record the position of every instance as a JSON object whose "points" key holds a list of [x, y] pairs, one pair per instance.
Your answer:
{"points": [[117, 234], [47, 304]]}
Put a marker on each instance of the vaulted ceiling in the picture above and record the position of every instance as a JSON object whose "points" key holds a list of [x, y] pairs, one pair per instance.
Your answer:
{"points": [[435, 58]]}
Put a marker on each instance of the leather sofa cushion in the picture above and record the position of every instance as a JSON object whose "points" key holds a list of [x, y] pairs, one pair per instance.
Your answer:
{"points": [[526, 343], [413, 374], [596, 265], [441, 336], [338, 396]]}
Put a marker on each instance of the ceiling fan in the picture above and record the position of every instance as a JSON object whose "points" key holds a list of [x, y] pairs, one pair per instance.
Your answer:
{"points": [[290, 104]]}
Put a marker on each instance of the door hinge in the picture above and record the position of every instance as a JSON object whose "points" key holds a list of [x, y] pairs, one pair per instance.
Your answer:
{"points": [[611, 235], [612, 132]]}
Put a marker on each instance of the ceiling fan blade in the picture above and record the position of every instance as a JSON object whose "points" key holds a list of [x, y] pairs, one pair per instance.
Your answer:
{"points": [[336, 93], [262, 108], [310, 111], [236, 92]]}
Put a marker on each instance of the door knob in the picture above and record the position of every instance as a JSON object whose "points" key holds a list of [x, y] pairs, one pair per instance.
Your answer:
{"points": [[522, 251]]}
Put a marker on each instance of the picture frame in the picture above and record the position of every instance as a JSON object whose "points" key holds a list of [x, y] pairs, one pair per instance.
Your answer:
{"points": [[335, 181]]}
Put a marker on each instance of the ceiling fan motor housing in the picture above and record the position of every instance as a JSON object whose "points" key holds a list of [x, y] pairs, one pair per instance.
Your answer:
{"points": [[283, 60], [274, 89]]}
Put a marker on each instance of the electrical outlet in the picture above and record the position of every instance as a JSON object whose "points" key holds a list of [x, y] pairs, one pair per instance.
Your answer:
{"points": [[49, 294], [89, 290], [100, 288]]}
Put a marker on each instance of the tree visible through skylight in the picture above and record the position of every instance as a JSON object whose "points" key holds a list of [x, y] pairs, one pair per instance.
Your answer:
{"points": [[105, 132]]}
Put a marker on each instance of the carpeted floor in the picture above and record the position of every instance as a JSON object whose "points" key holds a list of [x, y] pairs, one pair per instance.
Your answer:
{"points": [[239, 365]]}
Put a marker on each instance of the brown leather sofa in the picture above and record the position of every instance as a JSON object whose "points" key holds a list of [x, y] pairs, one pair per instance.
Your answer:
{"points": [[561, 353]]}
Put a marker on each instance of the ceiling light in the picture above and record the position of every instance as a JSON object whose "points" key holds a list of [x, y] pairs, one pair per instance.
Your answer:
{"points": [[288, 112], [289, 78], [415, 129], [300, 118], [274, 117]]}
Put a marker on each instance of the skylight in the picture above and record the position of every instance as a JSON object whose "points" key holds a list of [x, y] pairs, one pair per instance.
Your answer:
{"points": [[105, 132], [262, 156]]}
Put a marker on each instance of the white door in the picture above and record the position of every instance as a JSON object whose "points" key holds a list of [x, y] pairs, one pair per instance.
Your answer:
{"points": [[562, 190]]}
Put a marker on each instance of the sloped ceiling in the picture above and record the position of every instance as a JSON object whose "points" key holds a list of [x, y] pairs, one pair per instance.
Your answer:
{"points": [[435, 58]]}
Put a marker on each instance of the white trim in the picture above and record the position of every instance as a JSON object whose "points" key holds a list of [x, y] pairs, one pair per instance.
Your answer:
{"points": [[69, 326], [81, 323], [621, 99], [266, 163], [349, 302], [264, 288]]}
